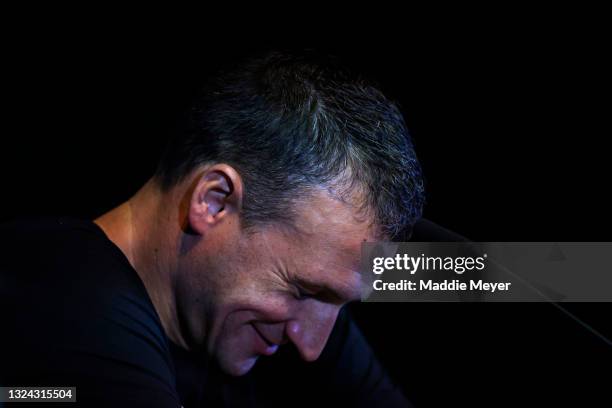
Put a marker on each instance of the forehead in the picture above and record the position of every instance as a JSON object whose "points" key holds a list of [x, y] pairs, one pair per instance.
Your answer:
{"points": [[325, 219]]}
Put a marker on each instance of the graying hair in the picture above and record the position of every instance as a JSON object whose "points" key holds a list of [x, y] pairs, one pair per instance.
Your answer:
{"points": [[291, 123]]}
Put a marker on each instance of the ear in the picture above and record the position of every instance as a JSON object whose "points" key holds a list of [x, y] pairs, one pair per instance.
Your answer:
{"points": [[217, 196]]}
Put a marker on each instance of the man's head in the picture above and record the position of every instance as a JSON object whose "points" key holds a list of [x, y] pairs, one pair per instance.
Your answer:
{"points": [[287, 164]]}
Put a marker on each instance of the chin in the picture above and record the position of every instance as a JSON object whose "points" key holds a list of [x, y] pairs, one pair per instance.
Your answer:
{"points": [[238, 368]]}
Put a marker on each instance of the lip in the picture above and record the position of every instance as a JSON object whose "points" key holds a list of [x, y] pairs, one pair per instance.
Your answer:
{"points": [[262, 345]]}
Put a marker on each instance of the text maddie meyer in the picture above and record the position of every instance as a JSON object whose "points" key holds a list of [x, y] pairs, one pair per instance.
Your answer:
{"points": [[446, 285]]}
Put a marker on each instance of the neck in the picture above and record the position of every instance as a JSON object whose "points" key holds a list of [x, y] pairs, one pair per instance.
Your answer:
{"points": [[139, 227]]}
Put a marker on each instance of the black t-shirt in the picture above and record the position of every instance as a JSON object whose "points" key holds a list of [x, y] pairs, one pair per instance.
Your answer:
{"points": [[75, 313]]}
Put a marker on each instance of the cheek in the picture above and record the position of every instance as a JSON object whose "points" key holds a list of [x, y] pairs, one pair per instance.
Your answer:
{"points": [[266, 308], [238, 306], [236, 335], [257, 295], [235, 329]]}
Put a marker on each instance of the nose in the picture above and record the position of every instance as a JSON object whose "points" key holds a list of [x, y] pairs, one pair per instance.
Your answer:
{"points": [[311, 328]]}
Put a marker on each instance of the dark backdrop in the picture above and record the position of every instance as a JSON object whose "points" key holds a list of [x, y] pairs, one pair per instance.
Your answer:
{"points": [[508, 125]]}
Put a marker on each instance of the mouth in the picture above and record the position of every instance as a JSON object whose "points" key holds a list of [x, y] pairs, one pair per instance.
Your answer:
{"points": [[262, 344]]}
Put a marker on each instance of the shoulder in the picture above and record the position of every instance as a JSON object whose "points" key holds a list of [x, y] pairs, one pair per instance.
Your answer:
{"points": [[72, 256], [62, 243]]}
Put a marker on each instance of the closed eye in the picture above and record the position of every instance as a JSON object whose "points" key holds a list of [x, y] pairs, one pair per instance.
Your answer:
{"points": [[303, 293]]}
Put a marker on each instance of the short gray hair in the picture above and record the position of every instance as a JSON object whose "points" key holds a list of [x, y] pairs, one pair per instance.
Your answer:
{"points": [[288, 123]]}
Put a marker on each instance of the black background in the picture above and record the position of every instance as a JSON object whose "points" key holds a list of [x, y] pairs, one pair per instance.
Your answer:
{"points": [[507, 119]]}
